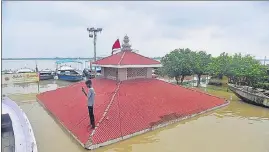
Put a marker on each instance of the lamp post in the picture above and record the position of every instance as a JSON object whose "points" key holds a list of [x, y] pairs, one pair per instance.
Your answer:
{"points": [[93, 34]]}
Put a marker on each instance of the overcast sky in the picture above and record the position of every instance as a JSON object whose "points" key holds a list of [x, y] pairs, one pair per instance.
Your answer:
{"points": [[50, 29]]}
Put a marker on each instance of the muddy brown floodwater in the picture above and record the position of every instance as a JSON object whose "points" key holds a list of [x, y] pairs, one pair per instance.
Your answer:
{"points": [[235, 128]]}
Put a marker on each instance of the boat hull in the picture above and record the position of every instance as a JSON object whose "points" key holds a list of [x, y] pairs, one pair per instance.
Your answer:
{"points": [[23, 132], [46, 77], [8, 138], [250, 97], [72, 78]]}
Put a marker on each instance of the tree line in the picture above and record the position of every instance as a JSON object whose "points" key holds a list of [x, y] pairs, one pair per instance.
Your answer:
{"points": [[240, 69]]}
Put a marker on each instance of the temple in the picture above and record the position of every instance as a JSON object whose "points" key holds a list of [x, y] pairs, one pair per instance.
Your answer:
{"points": [[126, 64], [128, 101]]}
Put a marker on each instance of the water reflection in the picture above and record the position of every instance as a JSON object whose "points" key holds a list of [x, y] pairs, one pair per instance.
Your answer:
{"points": [[231, 128], [26, 88]]}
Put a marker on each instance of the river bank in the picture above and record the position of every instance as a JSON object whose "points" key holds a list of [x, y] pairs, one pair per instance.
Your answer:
{"points": [[227, 129]]}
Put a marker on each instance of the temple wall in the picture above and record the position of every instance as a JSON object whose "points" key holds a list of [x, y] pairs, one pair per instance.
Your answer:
{"points": [[134, 73], [110, 73], [122, 74], [102, 71], [149, 72]]}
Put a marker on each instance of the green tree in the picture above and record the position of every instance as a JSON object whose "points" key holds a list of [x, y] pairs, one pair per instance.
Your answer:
{"points": [[177, 64], [239, 69], [201, 61], [246, 70], [242, 70], [219, 66]]}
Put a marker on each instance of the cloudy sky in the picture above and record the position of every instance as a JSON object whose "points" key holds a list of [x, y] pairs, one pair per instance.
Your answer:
{"points": [[50, 29]]}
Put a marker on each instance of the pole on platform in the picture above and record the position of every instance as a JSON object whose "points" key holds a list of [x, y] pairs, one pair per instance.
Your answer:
{"points": [[93, 34], [37, 72], [38, 87], [36, 69]]}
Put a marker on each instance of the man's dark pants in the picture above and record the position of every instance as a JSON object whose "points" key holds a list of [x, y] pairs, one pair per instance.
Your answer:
{"points": [[90, 108]]}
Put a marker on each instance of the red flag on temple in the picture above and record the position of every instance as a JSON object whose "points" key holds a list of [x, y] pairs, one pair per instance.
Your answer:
{"points": [[116, 45]]}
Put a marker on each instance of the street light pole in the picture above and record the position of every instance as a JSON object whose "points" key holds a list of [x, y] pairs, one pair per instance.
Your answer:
{"points": [[94, 49], [93, 34]]}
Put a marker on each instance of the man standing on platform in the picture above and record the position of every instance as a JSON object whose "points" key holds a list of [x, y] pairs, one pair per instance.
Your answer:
{"points": [[90, 96]]}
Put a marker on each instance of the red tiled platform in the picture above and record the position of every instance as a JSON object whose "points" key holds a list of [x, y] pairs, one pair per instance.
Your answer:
{"points": [[137, 106]]}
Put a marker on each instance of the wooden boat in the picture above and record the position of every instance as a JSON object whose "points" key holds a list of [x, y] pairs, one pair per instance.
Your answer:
{"points": [[248, 94], [17, 132], [46, 74]]}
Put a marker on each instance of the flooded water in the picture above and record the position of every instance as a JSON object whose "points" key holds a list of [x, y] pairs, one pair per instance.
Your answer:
{"points": [[237, 127], [41, 64]]}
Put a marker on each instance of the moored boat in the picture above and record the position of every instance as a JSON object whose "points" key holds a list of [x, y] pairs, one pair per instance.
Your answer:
{"points": [[7, 72], [67, 73], [17, 132], [98, 69], [46, 74], [248, 94], [88, 73], [25, 70]]}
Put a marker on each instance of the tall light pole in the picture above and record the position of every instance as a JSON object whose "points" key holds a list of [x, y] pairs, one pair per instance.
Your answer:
{"points": [[93, 34]]}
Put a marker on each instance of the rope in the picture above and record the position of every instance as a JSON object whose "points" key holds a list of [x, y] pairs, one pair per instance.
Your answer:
{"points": [[119, 117], [26, 112], [121, 58]]}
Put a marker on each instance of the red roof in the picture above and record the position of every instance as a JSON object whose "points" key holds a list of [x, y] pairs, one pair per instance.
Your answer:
{"points": [[135, 106], [126, 58]]}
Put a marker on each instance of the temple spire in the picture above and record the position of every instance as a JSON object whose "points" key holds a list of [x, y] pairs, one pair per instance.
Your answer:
{"points": [[126, 46]]}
